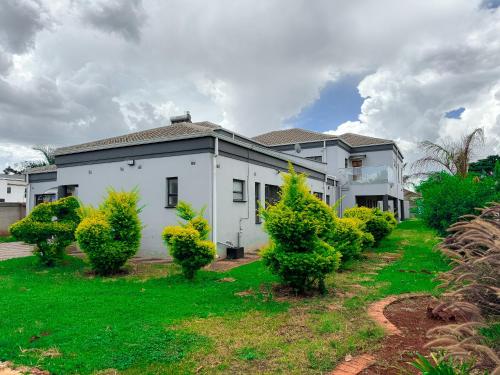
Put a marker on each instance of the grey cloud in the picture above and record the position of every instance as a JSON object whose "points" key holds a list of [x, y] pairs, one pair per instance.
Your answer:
{"points": [[124, 18], [250, 65], [20, 20]]}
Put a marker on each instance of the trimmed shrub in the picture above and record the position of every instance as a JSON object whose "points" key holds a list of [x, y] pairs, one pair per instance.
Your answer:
{"points": [[390, 218], [348, 238], [299, 226], [374, 219], [51, 227], [445, 198], [111, 235], [188, 243]]}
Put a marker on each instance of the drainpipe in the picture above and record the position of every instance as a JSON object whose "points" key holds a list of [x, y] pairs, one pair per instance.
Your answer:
{"points": [[28, 193], [214, 192], [326, 173]]}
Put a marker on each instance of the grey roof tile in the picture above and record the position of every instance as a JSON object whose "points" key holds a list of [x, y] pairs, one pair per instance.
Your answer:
{"points": [[297, 135], [163, 133]]}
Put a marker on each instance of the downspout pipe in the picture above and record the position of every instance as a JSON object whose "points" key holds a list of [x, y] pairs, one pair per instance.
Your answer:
{"points": [[326, 173], [214, 192]]}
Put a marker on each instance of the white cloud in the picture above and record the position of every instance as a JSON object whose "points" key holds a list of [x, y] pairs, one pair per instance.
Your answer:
{"points": [[75, 71]]}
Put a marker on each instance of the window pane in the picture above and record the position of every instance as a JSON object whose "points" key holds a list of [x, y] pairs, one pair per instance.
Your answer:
{"points": [[172, 200], [237, 185], [238, 190], [172, 191], [172, 186]]}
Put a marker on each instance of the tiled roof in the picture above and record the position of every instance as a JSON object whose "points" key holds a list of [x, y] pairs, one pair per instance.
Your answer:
{"points": [[16, 177], [356, 140], [163, 133], [296, 135], [44, 169], [288, 136]]}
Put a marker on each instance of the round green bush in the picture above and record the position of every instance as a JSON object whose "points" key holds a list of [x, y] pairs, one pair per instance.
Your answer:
{"points": [[348, 238], [111, 235], [51, 227], [188, 243], [300, 227]]}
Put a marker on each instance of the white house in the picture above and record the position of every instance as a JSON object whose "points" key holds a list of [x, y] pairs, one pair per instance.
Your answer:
{"points": [[201, 163], [369, 170], [13, 188]]}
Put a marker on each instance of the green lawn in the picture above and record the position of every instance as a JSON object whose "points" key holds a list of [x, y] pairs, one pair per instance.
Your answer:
{"points": [[6, 239], [154, 322]]}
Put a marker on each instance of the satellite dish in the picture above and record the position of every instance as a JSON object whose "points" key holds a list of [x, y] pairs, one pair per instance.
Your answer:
{"points": [[298, 149]]}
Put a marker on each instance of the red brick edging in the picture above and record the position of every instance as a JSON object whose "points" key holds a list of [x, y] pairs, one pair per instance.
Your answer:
{"points": [[354, 366], [376, 312]]}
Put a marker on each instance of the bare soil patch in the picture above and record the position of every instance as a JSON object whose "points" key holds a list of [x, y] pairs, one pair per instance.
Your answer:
{"points": [[410, 317]]}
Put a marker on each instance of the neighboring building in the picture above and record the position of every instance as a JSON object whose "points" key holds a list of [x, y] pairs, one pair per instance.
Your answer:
{"points": [[211, 167], [411, 198], [201, 163], [369, 170], [12, 188]]}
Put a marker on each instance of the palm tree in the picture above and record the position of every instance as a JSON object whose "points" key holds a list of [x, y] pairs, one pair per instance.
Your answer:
{"points": [[453, 157], [48, 153]]}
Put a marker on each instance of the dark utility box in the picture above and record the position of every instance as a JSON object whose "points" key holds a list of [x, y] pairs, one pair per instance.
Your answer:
{"points": [[235, 252]]}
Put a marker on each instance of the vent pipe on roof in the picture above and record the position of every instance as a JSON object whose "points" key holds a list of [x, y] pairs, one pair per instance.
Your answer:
{"points": [[181, 118]]}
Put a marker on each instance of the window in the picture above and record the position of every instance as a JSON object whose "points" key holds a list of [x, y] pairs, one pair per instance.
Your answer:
{"points": [[44, 198], [315, 158], [328, 199], [272, 194], [9, 190], [356, 169], [238, 191], [258, 219], [172, 191], [318, 194]]}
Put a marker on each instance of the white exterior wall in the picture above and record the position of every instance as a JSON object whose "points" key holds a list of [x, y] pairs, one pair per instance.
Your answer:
{"points": [[17, 191], [334, 157], [149, 176], [235, 217], [36, 188]]}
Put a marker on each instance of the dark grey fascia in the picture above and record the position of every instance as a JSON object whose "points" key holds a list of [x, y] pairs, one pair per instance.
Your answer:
{"points": [[341, 144], [186, 146], [42, 177], [238, 152]]}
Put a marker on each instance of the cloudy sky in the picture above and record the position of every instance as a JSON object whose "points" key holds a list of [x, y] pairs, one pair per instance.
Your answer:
{"points": [[73, 71]]}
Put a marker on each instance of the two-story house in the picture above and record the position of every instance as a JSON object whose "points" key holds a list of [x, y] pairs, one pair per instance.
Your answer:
{"points": [[232, 176], [369, 170]]}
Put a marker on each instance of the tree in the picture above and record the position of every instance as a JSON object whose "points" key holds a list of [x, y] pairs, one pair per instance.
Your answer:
{"points": [[298, 225], [48, 153], [49, 158], [484, 166], [453, 157]]}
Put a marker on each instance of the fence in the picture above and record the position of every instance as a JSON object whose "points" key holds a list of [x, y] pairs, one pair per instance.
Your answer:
{"points": [[9, 214]]}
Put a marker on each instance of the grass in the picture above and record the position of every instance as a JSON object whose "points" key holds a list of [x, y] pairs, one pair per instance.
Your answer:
{"points": [[7, 239], [155, 322]]}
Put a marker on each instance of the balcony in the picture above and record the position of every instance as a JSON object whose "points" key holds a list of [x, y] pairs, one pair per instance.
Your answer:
{"points": [[367, 175]]}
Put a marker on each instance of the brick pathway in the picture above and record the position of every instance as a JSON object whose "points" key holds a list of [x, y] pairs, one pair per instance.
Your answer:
{"points": [[10, 250], [376, 312], [354, 366]]}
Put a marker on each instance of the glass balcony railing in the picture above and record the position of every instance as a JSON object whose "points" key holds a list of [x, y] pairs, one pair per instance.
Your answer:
{"points": [[367, 175]]}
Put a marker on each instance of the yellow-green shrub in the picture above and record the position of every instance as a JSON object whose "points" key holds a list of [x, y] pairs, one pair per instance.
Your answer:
{"points": [[348, 238], [111, 234], [187, 243], [299, 226], [390, 218], [374, 220], [51, 227]]}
